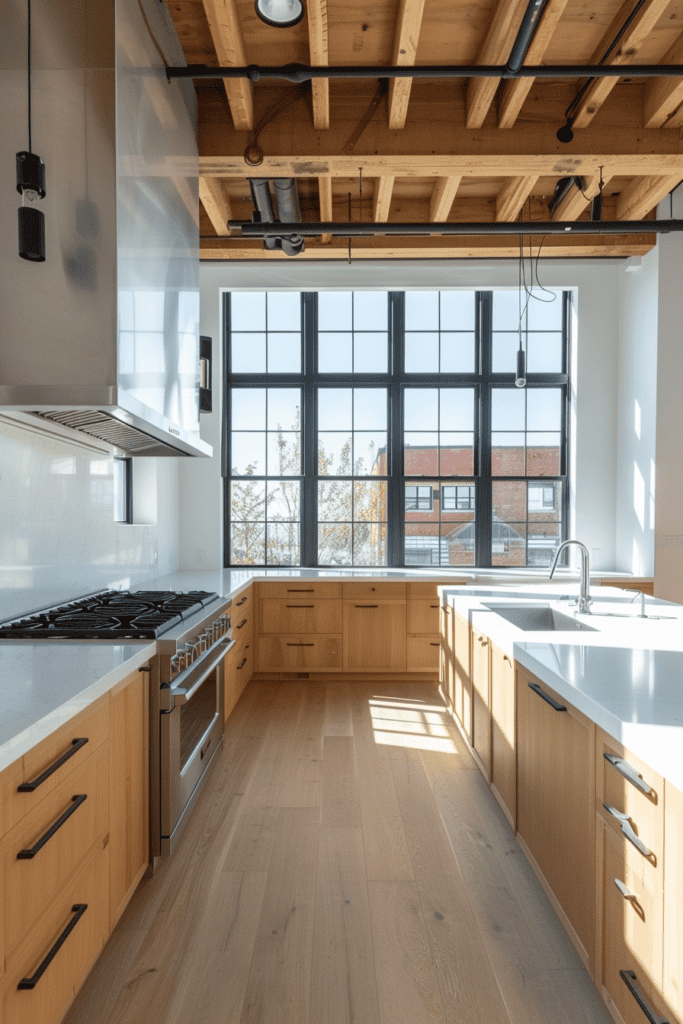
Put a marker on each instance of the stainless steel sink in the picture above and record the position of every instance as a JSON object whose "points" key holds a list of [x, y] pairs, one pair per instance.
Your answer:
{"points": [[539, 618]]}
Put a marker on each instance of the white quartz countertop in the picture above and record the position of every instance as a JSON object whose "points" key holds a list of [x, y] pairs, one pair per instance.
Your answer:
{"points": [[627, 676]]}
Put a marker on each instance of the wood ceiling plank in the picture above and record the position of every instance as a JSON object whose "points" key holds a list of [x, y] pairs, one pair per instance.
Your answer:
{"points": [[624, 53], [216, 204], [513, 195], [381, 202], [325, 201], [443, 196], [320, 57], [226, 32], [515, 91], [663, 96], [405, 52], [643, 194], [495, 49], [576, 201]]}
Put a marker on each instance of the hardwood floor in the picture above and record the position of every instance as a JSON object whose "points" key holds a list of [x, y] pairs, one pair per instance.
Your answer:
{"points": [[346, 864]]}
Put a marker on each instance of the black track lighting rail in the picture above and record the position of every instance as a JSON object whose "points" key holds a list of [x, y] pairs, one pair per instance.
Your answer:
{"points": [[298, 73], [354, 229]]}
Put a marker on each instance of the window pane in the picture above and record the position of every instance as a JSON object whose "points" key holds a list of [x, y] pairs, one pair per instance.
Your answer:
{"points": [[369, 501], [284, 311], [505, 346], [543, 540], [283, 500], [422, 311], [334, 311], [284, 453], [422, 352], [421, 409], [422, 543], [367, 447], [544, 409], [335, 499], [507, 408], [544, 353], [509, 500], [544, 313], [420, 454], [419, 498], [334, 543], [507, 455], [334, 409], [248, 311], [457, 311], [544, 502], [284, 353], [370, 311], [248, 407], [456, 454], [458, 503], [248, 453], [283, 543], [456, 409], [248, 501], [283, 408], [370, 353], [335, 353], [248, 543], [457, 352], [543, 454], [508, 543], [506, 310], [369, 543], [369, 409], [334, 453], [248, 353]]}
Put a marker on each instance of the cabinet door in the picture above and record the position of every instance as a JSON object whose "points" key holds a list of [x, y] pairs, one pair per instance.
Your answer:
{"points": [[673, 899], [503, 752], [374, 636], [481, 703], [423, 654], [423, 616], [555, 803], [462, 679], [129, 790]]}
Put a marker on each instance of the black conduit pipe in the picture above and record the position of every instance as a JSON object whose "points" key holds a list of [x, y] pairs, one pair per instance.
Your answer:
{"points": [[290, 243], [530, 21], [359, 230]]}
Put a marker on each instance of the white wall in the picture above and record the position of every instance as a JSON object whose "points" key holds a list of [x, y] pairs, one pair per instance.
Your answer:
{"points": [[58, 539], [594, 405]]}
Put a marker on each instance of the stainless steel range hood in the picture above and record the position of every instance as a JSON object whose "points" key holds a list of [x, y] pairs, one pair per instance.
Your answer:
{"points": [[103, 337]]}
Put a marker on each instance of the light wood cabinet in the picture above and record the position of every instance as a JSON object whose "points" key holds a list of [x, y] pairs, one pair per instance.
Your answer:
{"points": [[503, 742], [481, 702], [673, 900], [129, 790], [447, 656], [555, 804], [629, 796], [422, 654], [423, 616], [299, 589], [300, 653], [391, 591], [644, 584], [374, 635], [300, 616], [462, 675]]}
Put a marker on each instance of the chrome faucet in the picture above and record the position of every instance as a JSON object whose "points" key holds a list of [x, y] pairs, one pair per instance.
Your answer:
{"points": [[584, 601], [641, 595]]}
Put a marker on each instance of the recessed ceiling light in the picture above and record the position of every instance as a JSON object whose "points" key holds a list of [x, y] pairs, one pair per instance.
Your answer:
{"points": [[280, 13]]}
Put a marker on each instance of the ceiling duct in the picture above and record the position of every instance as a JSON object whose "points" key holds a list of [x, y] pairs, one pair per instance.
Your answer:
{"points": [[563, 187], [288, 211]]}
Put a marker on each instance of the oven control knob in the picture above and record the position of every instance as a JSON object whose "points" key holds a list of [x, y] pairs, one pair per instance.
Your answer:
{"points": [[175, 665]]}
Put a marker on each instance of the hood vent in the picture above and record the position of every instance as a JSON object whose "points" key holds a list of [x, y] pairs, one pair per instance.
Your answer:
{"points": [[106, 427]]}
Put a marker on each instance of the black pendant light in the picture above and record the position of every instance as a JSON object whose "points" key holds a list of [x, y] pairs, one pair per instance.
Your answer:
{"points": [[31, 186], [280, 13], [520, 376]]}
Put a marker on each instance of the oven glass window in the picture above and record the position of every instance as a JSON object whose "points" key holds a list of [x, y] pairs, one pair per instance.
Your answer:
{"points": [[196, 716]]}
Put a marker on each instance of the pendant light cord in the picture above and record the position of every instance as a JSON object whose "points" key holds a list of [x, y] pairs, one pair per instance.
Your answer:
{"points": [[29, 77]]}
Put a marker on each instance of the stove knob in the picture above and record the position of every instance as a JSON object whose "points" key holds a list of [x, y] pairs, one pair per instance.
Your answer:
{"points": [[175, 665]]}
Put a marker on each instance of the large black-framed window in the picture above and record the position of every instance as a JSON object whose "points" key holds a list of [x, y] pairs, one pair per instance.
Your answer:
{"points": [[372, 428]]}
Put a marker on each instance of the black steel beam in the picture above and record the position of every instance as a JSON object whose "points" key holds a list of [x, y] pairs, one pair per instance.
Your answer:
{"points": [[359, 230]]}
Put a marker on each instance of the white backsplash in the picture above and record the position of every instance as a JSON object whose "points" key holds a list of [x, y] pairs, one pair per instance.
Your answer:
{"points": [[58, 538]]}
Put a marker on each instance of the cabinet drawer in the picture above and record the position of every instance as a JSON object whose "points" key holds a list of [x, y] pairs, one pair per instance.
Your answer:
{"points": [[60, 752], [30, 884], [632, 924], [49, 999], [297, 615], [422, 653], [244, 667], [300, 588], [431, 590], [423, 616], [299, 653], [385, 591], [631, 788]]}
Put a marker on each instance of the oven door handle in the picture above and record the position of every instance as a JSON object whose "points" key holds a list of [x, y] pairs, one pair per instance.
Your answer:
{"points": [[183, 694]]}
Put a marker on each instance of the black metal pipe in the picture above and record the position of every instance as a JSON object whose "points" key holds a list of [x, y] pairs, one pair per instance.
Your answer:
{"points": [[291, 243], [302, 72], [360, 230], [522, 42]]}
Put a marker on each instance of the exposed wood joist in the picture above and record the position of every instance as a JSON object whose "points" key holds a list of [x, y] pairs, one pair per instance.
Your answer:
{"points": [[226, 32], [381, 202], [495, 49], [325, 203], [443, 196], [515, 91], [216, 204], [643, 194], [318, 45], [663, 96], [513, 195], [624, 53], [576, 200], [405, 52]]}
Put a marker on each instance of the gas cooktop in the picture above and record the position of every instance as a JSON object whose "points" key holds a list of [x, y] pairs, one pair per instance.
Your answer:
{"points": [[111, 615]]}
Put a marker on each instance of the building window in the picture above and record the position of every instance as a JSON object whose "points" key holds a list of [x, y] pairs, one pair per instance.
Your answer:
{"points": [[384, 428], [123, 490]]}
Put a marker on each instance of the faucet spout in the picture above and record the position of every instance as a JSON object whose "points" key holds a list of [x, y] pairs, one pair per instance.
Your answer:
{"points": [[584, 601]]}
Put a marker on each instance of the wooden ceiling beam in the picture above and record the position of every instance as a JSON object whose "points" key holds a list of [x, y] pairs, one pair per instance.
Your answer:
{"points": [[443, 196], [663, 96], [643, 194], [216, 204], [405, 52], [381, 201], [226, 32], [627, 49], [318, 45], [325, 201], [516, 90], [513, 195], [576, 201], [495, 49]]}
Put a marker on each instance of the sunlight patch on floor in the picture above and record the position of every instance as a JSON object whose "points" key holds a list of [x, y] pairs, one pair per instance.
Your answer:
{"points": [[402, 724], [415, 742]]}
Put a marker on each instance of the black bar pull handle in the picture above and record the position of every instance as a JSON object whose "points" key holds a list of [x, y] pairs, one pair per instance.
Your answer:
{"points": [[242, 623], [435, 606], [629, 979], [242, 663], [299, 645], [30, 787], [549, 700], [627, 830], [629, 773], [76, 802], [240, 603], [78, 910], [300, 590], [367, 606], [301, 606], [434, 643]]}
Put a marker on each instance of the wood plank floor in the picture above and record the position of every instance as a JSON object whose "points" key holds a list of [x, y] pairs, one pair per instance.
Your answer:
{"points": [[346, 864]]}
